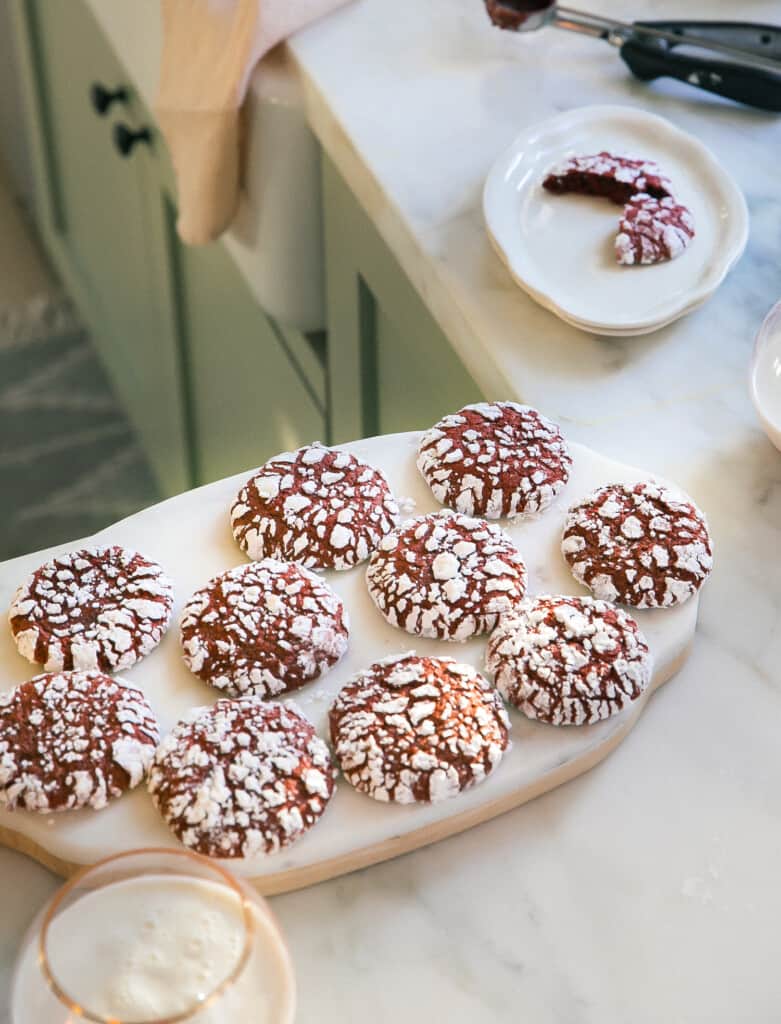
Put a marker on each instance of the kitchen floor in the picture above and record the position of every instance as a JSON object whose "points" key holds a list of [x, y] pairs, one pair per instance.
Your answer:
{"points": [[69, 461]]}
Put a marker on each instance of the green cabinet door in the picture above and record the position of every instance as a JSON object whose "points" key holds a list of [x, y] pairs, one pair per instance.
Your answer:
{"points": [[249, 400], [390, 366], [418, 377], [101, 224]]}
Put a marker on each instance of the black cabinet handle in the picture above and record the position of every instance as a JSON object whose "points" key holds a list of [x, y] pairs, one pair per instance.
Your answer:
{"points": [[102, 98], [127, 138]]}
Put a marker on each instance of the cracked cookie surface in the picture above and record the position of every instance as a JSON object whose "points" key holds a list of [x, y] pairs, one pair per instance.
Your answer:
{"points": [[410, 729], [241, 778], [95, 608], [569, 660], [73, 739], [319, 506], [641, 544], [265, 628], [495, 459], [446, 576]]}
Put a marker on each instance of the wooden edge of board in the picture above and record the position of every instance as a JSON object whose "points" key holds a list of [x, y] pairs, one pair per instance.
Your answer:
{"points": [[301, 878]]}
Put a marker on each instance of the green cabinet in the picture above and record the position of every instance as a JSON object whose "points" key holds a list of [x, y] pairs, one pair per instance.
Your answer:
{"points": [[97, 211], [390, 366], [250, 399], [211, 383]]}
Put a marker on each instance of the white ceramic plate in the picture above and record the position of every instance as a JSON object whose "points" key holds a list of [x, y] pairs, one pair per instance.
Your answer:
{"points": [[560, 248]]}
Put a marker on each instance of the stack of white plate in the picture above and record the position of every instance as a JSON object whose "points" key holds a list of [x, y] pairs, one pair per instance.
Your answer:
{"points": [[560, 250]]}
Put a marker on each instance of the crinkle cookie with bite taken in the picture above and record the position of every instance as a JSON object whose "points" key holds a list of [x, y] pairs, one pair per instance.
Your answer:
{"points": [[604, 174], [569, 660], [495, 459], [412, 729], [640, 544], [73, 739], [241, 778], [446, 576], [265, 628], [319, 506], [102, 608]]}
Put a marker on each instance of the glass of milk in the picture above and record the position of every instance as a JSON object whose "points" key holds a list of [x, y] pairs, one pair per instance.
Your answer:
{"points": [[154, 937]]}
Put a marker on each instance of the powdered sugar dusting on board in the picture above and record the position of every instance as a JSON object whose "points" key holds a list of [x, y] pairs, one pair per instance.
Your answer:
{"points": [[97, 608], [495, 459], [73, 739], [412, 729], [264, 629], [446, 576], [241, 778], [319, 506], [643, 545], [569, 660]]}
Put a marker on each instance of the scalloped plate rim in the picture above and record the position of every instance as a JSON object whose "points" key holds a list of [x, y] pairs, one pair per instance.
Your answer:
{"points": [[499, 182]]}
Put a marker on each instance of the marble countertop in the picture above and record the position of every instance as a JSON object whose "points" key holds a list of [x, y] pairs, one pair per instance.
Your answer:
{"points": [[647, 890]]}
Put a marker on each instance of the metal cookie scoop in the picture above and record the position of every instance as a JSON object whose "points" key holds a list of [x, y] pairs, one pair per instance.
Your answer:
{"points": [[738, 60]]}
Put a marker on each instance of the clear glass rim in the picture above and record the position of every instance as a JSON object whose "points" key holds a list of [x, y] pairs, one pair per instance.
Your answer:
{"points": [[769, 325], [185, 856]]}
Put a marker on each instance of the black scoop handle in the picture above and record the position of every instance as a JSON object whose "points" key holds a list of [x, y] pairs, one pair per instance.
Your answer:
{"points": [[649, 58]]}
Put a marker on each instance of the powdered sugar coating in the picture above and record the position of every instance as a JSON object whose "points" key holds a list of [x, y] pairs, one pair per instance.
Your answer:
{"points": [[241, 778], [495, 459], [265, 628], [569, 660], [446, 576], [617, 178], [318, 506], [97, 608], [653, 230], [640, 544], [73, 739], [412, 729]]}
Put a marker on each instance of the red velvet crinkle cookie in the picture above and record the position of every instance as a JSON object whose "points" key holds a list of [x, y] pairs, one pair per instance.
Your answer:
{"points": [[569, 660], [412, 729], [653, 230], [617, 178], [73, 739], [446, 576], [264, 629], [641, 544], [319, 506], [495, 459], [241, 778], [102, 608]]}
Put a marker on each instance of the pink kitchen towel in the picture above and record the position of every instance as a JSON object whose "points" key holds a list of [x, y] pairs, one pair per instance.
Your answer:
{"points": [[210, 49]]}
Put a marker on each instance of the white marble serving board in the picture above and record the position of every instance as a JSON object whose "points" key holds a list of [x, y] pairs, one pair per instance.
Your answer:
{"points": [[190, 536]]}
